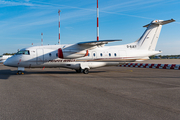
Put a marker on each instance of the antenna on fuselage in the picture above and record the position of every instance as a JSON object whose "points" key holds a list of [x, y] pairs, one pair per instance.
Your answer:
{"points": [[59, 26]]}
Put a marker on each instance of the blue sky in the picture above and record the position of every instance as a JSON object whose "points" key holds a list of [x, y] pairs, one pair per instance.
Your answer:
{"points": [[23, 21]]}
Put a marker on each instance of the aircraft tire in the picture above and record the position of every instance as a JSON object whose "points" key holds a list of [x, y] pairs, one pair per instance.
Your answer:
{"points": [[86, 71], [20, 73]]}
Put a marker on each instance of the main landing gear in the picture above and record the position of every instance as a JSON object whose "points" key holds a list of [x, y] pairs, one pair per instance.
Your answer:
{"points": [[85, 71]]}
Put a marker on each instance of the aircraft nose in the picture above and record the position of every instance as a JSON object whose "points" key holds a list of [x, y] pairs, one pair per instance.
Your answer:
{"points": [[12, 61], [6, 63]]}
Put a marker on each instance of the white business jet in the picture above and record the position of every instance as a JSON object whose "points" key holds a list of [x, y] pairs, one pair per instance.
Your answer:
{"points": [[4, 57], [87, 55]]}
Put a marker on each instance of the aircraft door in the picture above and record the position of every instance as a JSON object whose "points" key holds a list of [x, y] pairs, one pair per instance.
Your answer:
{"points": [[40, 56]]}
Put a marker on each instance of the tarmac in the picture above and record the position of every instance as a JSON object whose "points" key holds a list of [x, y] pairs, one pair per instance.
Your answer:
{"points": [[107, 93]]}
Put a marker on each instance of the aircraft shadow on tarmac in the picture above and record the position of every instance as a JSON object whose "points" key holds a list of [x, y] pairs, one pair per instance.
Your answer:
{"points": [[5, 74], [57, 72]]}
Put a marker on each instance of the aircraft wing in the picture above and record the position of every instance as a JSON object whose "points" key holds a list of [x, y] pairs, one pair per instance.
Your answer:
{"points": [[96, 43], [81, 49]]}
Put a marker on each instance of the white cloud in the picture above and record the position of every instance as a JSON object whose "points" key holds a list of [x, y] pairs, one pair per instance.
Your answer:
{"points": [[10, 3]]}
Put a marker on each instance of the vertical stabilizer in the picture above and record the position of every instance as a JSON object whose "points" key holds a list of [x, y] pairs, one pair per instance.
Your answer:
{"points": [[150, 37]]}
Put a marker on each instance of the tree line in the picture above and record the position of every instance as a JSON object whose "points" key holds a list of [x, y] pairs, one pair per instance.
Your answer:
{"points": [[9, 53]]}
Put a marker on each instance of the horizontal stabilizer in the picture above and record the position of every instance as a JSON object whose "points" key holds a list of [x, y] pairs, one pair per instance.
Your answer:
{"points": [[94, 43], [160, 22]]}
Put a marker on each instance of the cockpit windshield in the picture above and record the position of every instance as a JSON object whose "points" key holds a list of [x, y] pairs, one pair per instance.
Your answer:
{"points": [[23, 52]]}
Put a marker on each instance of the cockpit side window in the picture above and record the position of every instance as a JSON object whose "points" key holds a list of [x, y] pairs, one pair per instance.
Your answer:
{"points": [[23, 52]]}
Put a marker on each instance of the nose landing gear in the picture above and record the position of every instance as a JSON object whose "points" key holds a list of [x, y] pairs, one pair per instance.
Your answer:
{"points": [[20, 72]]}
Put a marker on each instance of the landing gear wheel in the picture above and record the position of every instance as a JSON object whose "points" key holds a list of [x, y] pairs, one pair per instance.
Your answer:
{"points": [[86, 71], [78, 71], [20, 73]]}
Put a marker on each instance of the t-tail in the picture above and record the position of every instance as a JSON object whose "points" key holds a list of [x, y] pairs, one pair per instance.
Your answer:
{"points": [[150, 37]]}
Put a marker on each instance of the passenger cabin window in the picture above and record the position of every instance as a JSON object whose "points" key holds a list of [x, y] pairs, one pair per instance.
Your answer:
{"points": [[94, 54], [56, 54], [50, 54], [110, 54], [115, 54], [101, 54], [88, 54], [23, 52]]}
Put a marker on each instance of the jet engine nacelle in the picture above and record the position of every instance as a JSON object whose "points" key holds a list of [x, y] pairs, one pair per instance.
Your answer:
{"points": [[71, 54]]}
